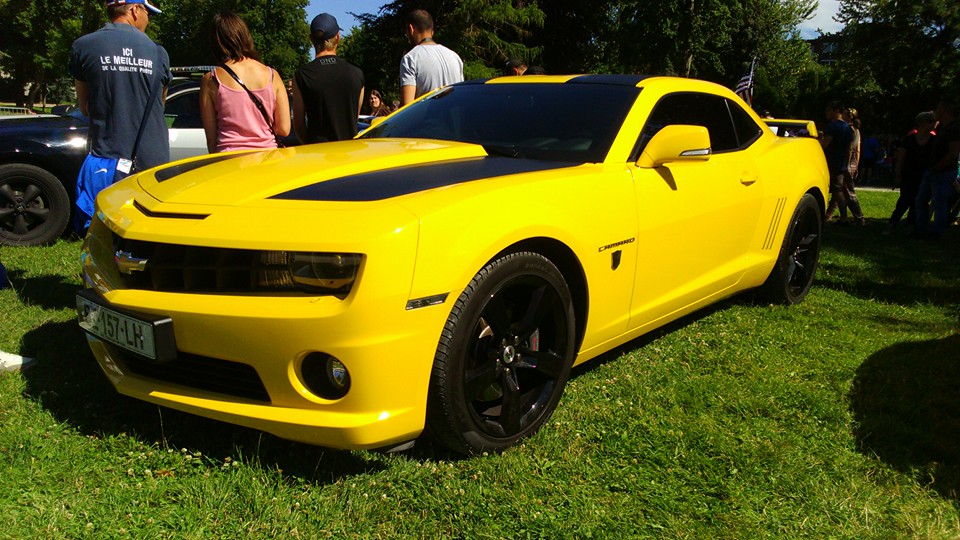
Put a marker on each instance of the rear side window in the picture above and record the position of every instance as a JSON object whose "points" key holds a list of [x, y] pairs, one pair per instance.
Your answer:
{"points": [[696, 109], [747, 130]]}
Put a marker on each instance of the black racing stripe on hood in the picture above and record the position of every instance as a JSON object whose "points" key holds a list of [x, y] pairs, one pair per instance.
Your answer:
{"points": [[169, 172], [379, 185]]}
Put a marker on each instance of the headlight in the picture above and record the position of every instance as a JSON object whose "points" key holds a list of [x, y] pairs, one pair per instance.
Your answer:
{"points": [[325, 273]]}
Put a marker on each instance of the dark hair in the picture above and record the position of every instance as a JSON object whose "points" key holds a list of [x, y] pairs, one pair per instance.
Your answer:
{"points": [[835, 105], [421, 20], [231, 39]]}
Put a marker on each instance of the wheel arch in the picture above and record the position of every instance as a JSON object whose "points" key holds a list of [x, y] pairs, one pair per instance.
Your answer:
{"points": [[64, 168], [566, 260]]}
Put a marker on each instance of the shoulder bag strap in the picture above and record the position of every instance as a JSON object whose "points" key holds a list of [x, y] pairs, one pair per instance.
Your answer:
{"points": [[253, 97], [154, 94]]}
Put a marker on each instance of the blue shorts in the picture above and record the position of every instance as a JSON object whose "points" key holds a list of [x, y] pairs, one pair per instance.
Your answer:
{"points": [[96, 174]]}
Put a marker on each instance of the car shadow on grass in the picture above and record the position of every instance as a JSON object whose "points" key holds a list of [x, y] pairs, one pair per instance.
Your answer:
{"points": [[70, 385], [49, 292], [905, 401]]}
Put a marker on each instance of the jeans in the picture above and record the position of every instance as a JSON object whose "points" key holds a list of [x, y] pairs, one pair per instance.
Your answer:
{"points": [[935, 187]]}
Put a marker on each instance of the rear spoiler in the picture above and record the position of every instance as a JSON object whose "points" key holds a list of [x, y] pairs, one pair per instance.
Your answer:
{"points": [[792, 128]]}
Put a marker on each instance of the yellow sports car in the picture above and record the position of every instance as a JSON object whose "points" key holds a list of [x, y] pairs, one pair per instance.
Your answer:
{"points": [[442, 272]]}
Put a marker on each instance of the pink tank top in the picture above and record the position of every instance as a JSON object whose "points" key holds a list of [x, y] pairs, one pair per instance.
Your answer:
{"points": [[239, 123]]}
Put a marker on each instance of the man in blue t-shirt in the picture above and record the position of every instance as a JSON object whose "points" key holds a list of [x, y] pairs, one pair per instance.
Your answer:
{"points": [[121, 79], [836, 140]]}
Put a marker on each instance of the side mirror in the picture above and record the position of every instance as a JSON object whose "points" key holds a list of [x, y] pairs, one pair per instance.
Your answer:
{"points": [[676, 143]]}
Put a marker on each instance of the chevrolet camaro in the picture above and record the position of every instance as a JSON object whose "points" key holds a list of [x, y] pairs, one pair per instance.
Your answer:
{"points": [[441, 273]]}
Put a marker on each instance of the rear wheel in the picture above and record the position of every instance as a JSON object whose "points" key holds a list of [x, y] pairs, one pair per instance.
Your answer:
{"points": [[34, 206], [504, 356], [791, 278]]}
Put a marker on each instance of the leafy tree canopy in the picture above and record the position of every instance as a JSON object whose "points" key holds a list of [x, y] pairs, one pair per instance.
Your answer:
{"points": [[898, 58]]}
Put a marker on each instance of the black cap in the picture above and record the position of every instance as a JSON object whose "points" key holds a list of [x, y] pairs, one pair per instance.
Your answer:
{"points": [[326, 25]]}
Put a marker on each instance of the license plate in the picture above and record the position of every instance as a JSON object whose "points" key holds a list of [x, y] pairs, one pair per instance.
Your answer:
{"points": [[148, 336]]}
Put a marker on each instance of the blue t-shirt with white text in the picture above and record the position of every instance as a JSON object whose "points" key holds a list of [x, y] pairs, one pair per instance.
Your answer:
{"points": [[121, 67]]}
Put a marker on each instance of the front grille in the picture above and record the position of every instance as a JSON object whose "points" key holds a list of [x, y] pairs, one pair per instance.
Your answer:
{"points": [[176, 268], [203, 373]]}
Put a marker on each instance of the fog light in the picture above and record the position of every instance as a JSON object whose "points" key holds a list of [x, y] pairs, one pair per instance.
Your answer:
{"points": [[325, 376]]}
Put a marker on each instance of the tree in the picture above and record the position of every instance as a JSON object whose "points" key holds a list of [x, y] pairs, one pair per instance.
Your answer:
{"points": [[279, 30], [898, 57], [35, 37], [35, 41], [483, 32]]}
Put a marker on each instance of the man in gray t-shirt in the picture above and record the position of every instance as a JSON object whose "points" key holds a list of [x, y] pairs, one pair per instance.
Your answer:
{"points": [[428, 65]]}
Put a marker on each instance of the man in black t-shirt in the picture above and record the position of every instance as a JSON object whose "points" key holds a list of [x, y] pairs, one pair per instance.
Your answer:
{"points": [[327, 92]]}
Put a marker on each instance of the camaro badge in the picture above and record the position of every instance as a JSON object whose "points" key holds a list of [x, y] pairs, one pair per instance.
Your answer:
{"points": [[127, 263]]}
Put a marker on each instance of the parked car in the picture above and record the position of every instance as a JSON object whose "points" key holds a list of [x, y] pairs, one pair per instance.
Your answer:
{"points": [[41, 155], [445, 270]]}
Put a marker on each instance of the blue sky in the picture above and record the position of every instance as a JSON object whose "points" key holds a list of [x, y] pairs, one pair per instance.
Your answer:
{"points": [[823, 20], [339, 9]]}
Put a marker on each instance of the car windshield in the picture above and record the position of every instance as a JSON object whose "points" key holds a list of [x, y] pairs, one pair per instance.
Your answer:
{"points": [[561, 122]]}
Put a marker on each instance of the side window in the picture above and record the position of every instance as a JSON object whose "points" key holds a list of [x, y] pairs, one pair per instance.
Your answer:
{"points": [[693, 109], [183, 111], [747, 130]]}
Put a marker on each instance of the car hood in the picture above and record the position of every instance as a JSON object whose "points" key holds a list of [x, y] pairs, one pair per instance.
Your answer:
{"points": [[356, 170], [19, 127]]}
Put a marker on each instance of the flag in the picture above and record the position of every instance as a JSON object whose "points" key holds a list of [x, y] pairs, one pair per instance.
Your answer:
{"points": [[744, 88]]}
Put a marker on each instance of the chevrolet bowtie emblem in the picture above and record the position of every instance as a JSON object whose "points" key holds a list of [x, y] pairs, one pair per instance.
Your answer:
{"points": [[128, 264]]}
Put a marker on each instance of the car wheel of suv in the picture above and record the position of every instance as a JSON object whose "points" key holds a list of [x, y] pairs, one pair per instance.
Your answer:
{"points": [[34, 206], [504, 356], [791, 278]]}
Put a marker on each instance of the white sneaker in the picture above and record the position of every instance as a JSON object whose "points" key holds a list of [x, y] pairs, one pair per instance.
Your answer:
{"points": [[14, 362]]}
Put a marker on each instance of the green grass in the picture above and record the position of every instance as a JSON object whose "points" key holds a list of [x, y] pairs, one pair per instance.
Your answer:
{"points": [[837, 418]]}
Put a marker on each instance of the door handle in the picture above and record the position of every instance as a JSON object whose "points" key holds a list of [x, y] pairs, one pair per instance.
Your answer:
{"points": [[748, 181]]}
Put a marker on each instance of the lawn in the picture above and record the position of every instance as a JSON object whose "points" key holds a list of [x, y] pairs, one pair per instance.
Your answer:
{"points": [[836, 418]]}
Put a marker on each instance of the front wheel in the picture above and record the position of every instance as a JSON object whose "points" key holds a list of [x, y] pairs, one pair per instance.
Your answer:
{"points": [[791, 278], [34, 206], [504, 356]]}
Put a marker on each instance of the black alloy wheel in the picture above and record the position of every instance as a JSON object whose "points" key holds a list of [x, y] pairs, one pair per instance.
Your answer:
{"points": [[792, 277], [504, 356], [34, 206]]}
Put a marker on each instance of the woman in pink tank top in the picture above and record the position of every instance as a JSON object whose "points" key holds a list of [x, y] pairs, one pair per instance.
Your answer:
{"points": [[231, 119]]}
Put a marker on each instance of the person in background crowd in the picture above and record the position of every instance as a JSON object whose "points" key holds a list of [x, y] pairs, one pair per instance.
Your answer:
{"points": [[837, 139], [121, 78], [327, 92], [535, 70], [870, 154], [232, 120], [912, 158], [515, 66], [852, 118], [377, 105], [428, 65], [936, 186]]}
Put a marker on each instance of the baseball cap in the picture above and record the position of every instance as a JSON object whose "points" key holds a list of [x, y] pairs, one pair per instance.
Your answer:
{"points": [[146, 4], [325, 24], [515, 63]]}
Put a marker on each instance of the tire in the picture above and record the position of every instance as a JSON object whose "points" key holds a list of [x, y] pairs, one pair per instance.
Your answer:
{"points": [[791, 278], [504, 356], [34, 206]]}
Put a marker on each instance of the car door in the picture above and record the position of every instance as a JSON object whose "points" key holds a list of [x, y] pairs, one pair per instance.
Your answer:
{"points": [[182, 112], [697, 219]]}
